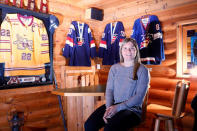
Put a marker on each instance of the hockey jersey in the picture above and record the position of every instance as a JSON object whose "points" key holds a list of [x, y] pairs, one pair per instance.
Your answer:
{"points": [[194, 49], [79, 46], [147, 32], [24, 45], [109, 46]]}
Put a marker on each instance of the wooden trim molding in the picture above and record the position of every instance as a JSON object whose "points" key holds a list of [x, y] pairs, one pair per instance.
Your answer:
{"points": [[28, 90]]}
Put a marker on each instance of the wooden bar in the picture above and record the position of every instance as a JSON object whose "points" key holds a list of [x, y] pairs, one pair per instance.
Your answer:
{"points": [[80, 103]]}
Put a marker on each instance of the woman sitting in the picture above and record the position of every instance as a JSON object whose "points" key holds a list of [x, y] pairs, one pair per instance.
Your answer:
{"points": [[127, 85]]}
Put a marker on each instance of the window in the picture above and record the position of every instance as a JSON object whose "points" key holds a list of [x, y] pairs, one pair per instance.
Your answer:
{"points": [[187, 48]]}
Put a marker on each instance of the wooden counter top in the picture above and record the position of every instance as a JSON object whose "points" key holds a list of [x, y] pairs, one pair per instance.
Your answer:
{"points": [[98, 90]]}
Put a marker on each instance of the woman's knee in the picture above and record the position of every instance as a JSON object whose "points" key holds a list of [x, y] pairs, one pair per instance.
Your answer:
{"points": [[90, 125], [109, 127]]}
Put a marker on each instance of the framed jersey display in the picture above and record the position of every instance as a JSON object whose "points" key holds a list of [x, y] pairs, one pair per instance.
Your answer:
{"points": [[187, 48], [26, 48]]}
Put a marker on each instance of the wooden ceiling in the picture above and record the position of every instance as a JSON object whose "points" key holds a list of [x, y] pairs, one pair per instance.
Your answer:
{"points": [[102, 4], [122, 4]]}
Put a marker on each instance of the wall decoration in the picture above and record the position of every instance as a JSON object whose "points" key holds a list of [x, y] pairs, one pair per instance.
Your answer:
{"points": [[79, 46], [111, 39], [148, 34], [26, 48]]}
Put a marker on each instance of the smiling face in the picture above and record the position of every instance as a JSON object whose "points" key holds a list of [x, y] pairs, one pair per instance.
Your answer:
{"points": [[128, 52]]}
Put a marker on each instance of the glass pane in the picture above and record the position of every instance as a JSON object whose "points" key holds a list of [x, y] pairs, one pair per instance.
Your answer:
{"points": [[191, 48]]}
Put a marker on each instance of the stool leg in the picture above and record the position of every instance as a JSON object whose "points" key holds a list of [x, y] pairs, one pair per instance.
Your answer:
{"points": [[157, 123], [170, 125]]}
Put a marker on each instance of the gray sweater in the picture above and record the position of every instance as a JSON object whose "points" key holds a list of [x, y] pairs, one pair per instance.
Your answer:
{"points": [[124, 91]]}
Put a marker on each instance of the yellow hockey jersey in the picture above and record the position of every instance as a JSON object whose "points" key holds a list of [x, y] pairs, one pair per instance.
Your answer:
{"points": [[24, 45]]}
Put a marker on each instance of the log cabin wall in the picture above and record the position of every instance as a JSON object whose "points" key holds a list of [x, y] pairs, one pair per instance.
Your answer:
{"points": [[43, 108], [163, 77]]}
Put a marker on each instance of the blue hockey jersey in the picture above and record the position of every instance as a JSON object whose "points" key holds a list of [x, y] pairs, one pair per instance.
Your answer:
{"points": [[109, 45], [147, 32], [79, 45]]}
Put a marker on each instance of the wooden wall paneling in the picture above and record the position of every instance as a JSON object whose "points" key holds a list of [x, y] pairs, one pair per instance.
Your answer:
{"points": [[168, 27], [60, 63], [140, 8], [59, 7], [177, 12], [160, 102], [45, 123], [170, 46], [170, 38], [4, 108], [163, 83], [162, 71], [168, 34], [28, 97], [32, 112], [42, 114], [5, 129], [3, 122], [166, 95], [171, 23], [18, 91], [170, 51], [169, 62], [29, 105]]}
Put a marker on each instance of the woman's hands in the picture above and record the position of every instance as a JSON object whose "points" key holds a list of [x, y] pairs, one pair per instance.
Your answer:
{"points": [[110, 111]]}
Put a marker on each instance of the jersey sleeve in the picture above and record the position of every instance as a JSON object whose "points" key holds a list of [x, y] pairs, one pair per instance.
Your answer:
{"points": [[54, 23], [133, 31], [44, 44], [122, 34], [68, 48], [5, 40], [92, 44], [103, 44], [157, 35]]}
